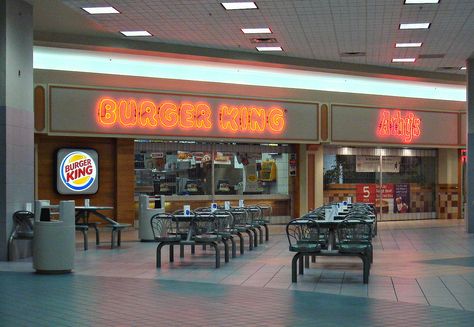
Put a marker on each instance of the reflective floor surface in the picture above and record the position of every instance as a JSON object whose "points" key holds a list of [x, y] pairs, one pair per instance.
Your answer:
{"points": [[423, 275]]}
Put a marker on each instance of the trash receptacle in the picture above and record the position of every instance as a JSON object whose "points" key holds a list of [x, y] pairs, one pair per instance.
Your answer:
{"points": [[145, 233], [54, 241]]}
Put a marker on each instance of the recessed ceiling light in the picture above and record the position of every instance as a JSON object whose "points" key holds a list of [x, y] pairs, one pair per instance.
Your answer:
{"points": [[239, 5], [408, 45], [262, 30], [403, 59], [136, 33], [463, 68], [269, 48], [101, 10], [420, 2], [414, 26]]}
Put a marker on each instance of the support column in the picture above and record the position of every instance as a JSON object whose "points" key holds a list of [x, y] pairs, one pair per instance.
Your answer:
{"points": [[16, 113], [319, 175], [469, 217], [303, 182], [447, 190]]}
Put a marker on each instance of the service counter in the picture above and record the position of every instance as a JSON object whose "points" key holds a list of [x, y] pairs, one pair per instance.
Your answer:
{"points": [[281, 204]]}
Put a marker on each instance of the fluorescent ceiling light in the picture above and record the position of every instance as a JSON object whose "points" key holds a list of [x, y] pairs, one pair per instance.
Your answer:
{"points": [[239, 5], [403, 59], [135, 33], [463, 68], [408, 45], [414, 26], [101, 10], [120, 64], [263, 30], [269, 49], [420, 2]]}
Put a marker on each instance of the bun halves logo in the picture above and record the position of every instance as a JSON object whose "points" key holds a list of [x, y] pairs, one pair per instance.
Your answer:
{"points": [[78, 171]]}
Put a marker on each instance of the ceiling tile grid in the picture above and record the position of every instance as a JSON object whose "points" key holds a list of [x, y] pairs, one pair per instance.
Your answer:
{"points": [[310, 29]]}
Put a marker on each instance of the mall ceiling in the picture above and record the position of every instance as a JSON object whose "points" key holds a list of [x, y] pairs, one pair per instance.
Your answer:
{"points": [[324, 32]]}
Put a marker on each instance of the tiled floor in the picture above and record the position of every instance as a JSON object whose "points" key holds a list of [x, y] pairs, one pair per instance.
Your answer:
{"points": [[419, 268]]}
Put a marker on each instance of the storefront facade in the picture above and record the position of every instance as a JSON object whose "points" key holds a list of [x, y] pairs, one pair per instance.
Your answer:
{"points": [[197, 143]]}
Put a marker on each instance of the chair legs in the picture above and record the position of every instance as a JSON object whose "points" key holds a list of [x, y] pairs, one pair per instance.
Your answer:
{"points": [[158, 254], [86, 240], [234, 248], [218, 254], [226, 251], [294, 271], [171, 252], [267, 235], [301, 266], [249, 233], [241, 243]]}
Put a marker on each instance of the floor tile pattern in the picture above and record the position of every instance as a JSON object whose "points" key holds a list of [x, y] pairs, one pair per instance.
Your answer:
{"points": [[76, 300]]}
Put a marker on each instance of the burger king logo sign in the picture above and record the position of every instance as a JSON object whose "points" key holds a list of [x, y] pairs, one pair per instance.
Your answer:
{"points": [[77, 171]]}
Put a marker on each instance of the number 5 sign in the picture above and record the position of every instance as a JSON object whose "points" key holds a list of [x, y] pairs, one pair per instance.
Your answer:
{"points": [[366, 193]]}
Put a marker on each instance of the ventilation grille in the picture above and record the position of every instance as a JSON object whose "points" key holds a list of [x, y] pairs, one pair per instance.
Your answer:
{"points": [[353, 54], [263, 40]]}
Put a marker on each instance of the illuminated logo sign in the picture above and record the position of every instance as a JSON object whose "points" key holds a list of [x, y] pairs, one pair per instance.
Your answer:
{"points": [[169, 115], [77, 171], [406, 127], [463, 155]]}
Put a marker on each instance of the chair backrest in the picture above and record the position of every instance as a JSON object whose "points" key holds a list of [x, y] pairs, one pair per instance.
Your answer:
{"points": [[23, 220], [255, 212], [205, 223], [302, 230], [225, 220], [354, 230], [163, 225], [241, 216], [267, 210]]}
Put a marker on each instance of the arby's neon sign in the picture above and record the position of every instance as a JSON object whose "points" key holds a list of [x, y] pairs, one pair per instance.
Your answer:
{"points": [[171, 115], [406, 127]]}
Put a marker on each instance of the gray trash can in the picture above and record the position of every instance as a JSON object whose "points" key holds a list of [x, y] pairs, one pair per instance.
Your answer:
{"points": [[54, 241]]}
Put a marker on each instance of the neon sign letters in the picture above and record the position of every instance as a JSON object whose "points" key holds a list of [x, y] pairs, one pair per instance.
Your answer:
{"points": [[406, 127], [170, 115]]}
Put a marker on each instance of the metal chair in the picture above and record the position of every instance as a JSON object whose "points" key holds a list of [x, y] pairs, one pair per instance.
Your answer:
{"points": [[242, 224], [303, 238], [205, 227], [166, 232], [22, 228], [355, 237]]}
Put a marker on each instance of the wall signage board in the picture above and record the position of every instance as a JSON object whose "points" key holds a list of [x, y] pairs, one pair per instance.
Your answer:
{"points": [[102, 111], [462, 129], [371, 164], [393, 126], [77, 171]]}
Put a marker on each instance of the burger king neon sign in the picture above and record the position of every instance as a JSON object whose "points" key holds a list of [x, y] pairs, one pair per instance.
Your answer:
{"points": [[77, 171], [170, 115]]}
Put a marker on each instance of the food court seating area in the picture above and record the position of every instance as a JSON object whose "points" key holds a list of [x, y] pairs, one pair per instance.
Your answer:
{"points": [[335, 230], [207, 227]]}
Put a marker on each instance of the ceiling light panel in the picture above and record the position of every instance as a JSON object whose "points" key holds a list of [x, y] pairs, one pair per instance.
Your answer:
{"points": [[136, 33], [269, 48], [261, 30], [414, 26], [403, 59], [239, 5], [420, 2], [408, 45], [101, 10]]}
